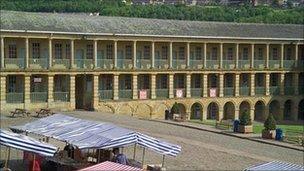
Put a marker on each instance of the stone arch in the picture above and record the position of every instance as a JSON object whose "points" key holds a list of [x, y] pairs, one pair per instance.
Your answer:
{"points": [[288, 108], [274, 109], [125, 109], [259, 111], [143, 111], [159, 111], [196, 111], [213, 111], [244, 106], [301, 110], [229, 110]]}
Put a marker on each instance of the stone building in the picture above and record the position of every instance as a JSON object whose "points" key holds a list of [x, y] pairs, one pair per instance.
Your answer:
{"points": [[140, 67]]}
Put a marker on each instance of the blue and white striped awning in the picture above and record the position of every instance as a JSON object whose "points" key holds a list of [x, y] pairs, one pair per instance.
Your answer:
{"points": [[276, 165], [89, 134], [26, 143]]}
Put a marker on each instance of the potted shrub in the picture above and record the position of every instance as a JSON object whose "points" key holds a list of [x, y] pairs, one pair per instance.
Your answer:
{"points": [[175, 112], [245, 125], [269, 128]]}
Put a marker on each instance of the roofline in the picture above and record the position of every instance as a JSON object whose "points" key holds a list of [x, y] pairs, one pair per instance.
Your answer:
{"points": [[151, 35]]}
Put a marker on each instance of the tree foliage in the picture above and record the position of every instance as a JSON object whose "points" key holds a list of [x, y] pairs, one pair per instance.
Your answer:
{"points": [[270, 123], [245, 13], [245, 118]]}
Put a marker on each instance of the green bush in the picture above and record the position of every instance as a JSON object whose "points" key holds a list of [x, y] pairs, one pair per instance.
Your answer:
{"points": [[270, 123], [245, 118], [175, 108]]}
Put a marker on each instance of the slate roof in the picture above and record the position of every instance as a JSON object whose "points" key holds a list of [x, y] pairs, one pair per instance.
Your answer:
{"points": [[83, 23]]}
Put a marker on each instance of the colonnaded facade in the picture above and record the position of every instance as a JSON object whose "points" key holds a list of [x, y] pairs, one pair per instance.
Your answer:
{"points": [[141, 67]]}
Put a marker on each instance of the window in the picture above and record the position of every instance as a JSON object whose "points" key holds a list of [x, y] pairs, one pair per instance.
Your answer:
{"points": [[12, 51], [164, 52], [90, 51], [128, 52], [230, 54], [68, 51], [128, 82], [198, 53], [274, 79], [245, 53], [229, 80], [12, 80], [288, 54], [35, 50], [213, 82], [196, 81], [107, 82], [146, 52], [245, 79], [181, 53], [145, 82], [109, 51], [163, 82], [180, 81], [275, 54], [214, 53], [259, 80], [58, 51], [260, 54]]}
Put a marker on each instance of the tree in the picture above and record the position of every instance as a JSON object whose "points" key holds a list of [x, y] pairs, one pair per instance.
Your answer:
{"points": [[245, 118], [270, 123]]}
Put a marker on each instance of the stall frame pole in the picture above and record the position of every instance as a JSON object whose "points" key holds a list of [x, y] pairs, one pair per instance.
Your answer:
{"points": [[143, 157]]}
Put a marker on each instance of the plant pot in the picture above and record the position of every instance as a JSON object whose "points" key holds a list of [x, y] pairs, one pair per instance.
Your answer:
{"points": [[268, 134], [245, 129]]}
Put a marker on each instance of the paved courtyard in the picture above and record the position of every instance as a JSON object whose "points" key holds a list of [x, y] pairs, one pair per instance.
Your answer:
{"points": [[200, 150]]}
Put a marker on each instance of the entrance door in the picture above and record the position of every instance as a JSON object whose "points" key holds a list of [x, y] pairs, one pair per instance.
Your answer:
{"points": [[84, 89]]}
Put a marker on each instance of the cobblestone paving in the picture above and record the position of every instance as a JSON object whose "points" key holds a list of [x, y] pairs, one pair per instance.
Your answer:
{"points": [[200, 150]]}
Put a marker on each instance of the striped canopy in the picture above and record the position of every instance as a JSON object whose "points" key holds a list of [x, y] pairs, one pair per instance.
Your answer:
{"points": [[107, 165], [276, 165], [26, 143], [89, 134]]}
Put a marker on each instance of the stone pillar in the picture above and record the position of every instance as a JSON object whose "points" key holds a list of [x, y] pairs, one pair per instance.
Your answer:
{"points": [[282, 78], [72, 53], [237, 113], [170, 54], [153, 86], [221, 55], [205, 112], [152, 54], [296, 83], [115, 87], [237, 85], [296, 55], [188, 85], [50, 90], [95, 91], [27, 53], [237, 55], [267, 56], [134, 86], [188, 55], [171, 86], [252, 84], [95, 53], [50, 53], [221, 85], [2, 52], [72, 92], [267, 82], [205, 55], [252, 56], [2, 92], [134, 54], [205, 85], [294, 111], [251, 113], [115, 53], [27, 91], [221, 113], [282, 56]]}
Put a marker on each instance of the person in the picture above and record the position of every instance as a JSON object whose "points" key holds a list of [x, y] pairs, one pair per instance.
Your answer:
{"points": [[119, 158]]}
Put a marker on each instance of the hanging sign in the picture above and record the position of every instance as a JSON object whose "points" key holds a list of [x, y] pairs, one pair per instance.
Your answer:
{"points": [[143, 94], [212, 92], [179, 93], [37, 80]]}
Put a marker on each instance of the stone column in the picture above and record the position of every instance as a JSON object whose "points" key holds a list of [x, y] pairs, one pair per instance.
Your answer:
{"points": [[2, 92], [236, 113], [152, 54], [72, 53], [115, 53], [252, 56], [170, 54], [251, 113], [267, 82], [237, 55], [95, 53], [282, 56], [95, 91], [205, 112], [27, 53], [205, 55], [267, 56], [237, 85], [27, 91], [50, 90], [50, 53], [153, 86], [2, 52], [221, 55], [188, 55], [115, 87], [134, 86], [221, 85], [282, 78], [72, 92], [252, 84], [171, 86], [188, 85], [296, 55], [221, 113], [296, 83], [205, 85], [134, 54], [294, 112]]}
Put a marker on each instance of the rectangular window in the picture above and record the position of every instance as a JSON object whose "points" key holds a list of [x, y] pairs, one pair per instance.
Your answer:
{"points": [[214, 53], [245, 80], [245, 53], [108, 82], [181, 53], [197, 81], [67, 51], [12, 81], [164, 52], [109, 51], [128, 52], [128, 82], [230, 54], [36, 50], [198, 53], [260, 80], [180, 81], [288, 54], [146, 52], [163, 82], [146, 82], [90, 51], [58, 51], [12, 51], [260, 54], [275, 54], [274, 80]]}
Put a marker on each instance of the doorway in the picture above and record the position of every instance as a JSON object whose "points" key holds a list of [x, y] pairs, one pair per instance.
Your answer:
{"points": [[84, 92]]}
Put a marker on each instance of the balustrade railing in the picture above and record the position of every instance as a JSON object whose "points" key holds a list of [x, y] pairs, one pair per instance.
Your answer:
{"points": [[14, 63], [61, 96], [105, 94], [39, 96], [162, 93], [14, 97], [125, 94]]}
